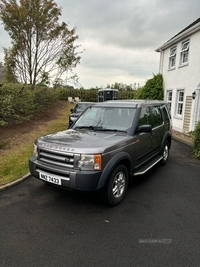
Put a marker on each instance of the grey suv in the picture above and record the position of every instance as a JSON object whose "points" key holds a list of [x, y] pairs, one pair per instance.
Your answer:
{"points": [[108, 144]]}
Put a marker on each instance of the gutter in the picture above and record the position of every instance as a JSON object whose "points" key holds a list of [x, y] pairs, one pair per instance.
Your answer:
{"points": [[161, 60]]}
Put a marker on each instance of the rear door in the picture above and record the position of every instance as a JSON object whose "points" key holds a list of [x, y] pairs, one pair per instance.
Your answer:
{"points": [[158, 128], [148, 144]]}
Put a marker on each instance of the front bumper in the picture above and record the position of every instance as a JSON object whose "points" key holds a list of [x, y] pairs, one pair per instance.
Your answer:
{"points": [[71, 179]]}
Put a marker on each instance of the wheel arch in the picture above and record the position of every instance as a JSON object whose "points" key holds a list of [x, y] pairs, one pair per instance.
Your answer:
{"points": [[120, 158], [167, 137]]}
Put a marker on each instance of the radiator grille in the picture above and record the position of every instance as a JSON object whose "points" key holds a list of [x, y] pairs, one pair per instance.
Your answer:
{"points": [[56, 158]]}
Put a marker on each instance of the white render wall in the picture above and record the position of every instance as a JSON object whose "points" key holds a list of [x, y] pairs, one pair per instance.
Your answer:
{"points": [[186, 77]]}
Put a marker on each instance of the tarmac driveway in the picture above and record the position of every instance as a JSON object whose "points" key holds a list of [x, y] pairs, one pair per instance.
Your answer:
{"points": [[158, 223]]}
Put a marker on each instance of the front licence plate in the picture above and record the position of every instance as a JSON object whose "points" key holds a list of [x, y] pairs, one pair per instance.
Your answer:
{"points": [[50, 178]]}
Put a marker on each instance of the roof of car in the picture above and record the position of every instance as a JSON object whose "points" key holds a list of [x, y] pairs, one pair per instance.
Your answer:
{"points": [[108, 89], [84, 102], [129, 103]]}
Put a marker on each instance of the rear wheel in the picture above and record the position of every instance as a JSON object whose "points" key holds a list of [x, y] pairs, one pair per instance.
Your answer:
{"points": [[165, 153], [117, 185]]}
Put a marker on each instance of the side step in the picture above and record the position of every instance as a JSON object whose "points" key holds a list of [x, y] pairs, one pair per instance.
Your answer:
{"points": [[148, 166]]}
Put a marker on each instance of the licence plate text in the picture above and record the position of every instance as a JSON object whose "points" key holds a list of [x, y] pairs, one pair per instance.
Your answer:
{"points": [[50, 178]]}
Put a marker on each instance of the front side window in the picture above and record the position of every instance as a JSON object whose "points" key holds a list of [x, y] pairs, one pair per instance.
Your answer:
{"points": [[184, 53], [145, 117], [180, 101], [172, 57]]}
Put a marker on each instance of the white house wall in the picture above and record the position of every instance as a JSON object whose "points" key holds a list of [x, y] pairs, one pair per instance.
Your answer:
{"points": [[186, 77]]}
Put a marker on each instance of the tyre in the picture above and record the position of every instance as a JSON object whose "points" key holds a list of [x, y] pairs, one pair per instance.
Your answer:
{"points": [[165, 153], [117, 185]]}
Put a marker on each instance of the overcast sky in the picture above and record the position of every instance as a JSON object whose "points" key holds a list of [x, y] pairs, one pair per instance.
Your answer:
{"points": [[120, 36]]}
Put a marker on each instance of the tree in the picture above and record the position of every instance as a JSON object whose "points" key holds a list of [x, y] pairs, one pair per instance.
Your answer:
{"points": [[9, 66], [2, 72], [153, 89], [40, 45]]}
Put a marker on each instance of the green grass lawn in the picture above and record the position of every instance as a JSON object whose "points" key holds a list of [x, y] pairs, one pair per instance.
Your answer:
{"points": [[14, 163]]}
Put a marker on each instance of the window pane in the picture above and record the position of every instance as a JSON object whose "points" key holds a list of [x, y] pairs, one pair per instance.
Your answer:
{"points": [[181, 94], [145, 117], [185, 46], [184, 52], [180, 102], [172, 57], [157, 119], [173, 62], [173, 51], [169, 98], [180, 108], [185, 57]]}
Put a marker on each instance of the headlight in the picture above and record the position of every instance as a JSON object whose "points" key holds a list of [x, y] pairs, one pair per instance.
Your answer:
{"points": [[35, 151], [90, 162]]}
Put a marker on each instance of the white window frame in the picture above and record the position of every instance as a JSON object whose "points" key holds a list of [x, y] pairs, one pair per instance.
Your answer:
{"points": [[169, 98], [184, 53], [172, 58], [180, 103]]}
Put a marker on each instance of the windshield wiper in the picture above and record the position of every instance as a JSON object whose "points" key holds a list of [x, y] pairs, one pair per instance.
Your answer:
{"points": [[85, 127], [111, 130], [98, 128]]}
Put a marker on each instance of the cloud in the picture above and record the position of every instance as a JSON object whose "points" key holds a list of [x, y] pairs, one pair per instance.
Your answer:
{"points": [[117, 64], [120, 37]]}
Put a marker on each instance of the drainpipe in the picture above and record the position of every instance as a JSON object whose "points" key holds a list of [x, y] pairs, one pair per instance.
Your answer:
{"points": [[161, 64], [161, 60]]}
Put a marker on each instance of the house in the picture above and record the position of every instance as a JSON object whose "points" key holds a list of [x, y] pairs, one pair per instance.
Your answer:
{"points": [[180, 67]]}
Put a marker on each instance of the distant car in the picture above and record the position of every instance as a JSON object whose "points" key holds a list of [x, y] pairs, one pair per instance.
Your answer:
{"points": [[77, 111]]}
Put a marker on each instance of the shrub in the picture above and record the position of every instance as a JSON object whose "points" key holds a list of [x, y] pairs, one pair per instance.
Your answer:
{"points": [[153, 89], [19, 102], [196, 145], [14, 102]]}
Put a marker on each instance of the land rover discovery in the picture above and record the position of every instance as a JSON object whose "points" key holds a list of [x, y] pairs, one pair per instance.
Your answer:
{"points": [[108, 144]]}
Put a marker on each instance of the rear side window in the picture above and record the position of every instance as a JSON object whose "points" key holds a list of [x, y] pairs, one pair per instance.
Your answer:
{"points": [[157, 117]]}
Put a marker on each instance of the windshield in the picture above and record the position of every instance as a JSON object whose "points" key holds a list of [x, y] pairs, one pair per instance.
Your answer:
{"points": [[104, 118]]}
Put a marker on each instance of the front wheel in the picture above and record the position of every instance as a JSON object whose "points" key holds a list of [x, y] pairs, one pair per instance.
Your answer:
{"points": [[165, 153], [117, 185]]}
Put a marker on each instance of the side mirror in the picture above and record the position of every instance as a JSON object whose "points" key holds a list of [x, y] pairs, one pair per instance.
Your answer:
{"points": [[71, 110], [144, 129]]}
